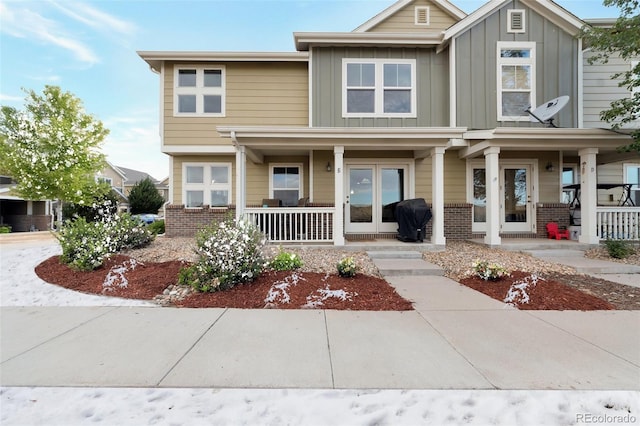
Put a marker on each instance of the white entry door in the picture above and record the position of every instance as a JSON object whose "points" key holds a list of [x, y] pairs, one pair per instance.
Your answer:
{"points": [[517, 194], [371, 193], [516, 206]]}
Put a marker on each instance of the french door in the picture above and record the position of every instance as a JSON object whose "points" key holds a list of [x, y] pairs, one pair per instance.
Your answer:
{"points": [[371, 193], [516, 196]]}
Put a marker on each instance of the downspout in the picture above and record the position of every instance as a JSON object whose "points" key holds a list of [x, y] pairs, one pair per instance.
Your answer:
{"points": [[580, 85], [452, 84]]}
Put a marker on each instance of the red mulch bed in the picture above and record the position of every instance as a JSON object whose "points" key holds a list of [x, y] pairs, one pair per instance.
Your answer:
{"points": [[545, 295], [150, 279]]}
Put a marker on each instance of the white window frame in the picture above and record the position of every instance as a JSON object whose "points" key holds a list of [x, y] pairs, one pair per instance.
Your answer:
{"points": [[199, 90], [510, 14], [500, 62], [427, 10], [576, 179], [300, 168], [206, 186], [634, 188], [105, 179], [633, 65], [379, 88]]}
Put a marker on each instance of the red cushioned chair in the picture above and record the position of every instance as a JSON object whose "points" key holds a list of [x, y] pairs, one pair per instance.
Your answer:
{"points": [[554, 232]]}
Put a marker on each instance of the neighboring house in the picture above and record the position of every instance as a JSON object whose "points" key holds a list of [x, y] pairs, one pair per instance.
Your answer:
{"points": [[20, 214], [122, 180], [421, 101]]}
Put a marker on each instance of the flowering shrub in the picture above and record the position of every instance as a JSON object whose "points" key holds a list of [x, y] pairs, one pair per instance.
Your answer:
{"points": [[229, 253], [347, 267], [488, 271], [85, 245], [284, 261]]}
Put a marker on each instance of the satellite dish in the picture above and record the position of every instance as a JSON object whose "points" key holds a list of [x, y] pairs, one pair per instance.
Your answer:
{"points": [[545, 112]]}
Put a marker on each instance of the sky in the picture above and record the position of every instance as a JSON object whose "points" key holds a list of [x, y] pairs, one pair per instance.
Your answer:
{"points": [[89, 48]]}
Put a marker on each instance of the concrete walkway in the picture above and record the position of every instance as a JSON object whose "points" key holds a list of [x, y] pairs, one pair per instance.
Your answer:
{"points": [[456, 338]]}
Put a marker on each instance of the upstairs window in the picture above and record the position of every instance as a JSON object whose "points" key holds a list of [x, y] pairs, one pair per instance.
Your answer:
{"points": [[379, 88], [516, 80], [199, 91]]}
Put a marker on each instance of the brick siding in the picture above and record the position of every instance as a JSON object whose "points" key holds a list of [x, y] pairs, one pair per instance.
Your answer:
{"points": [[551, 212], [23, 223]]}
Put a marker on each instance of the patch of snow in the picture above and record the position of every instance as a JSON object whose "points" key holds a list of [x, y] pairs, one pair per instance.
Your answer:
{"points": [[315, 300], [279, 291], [116, 275], [517, 294]]}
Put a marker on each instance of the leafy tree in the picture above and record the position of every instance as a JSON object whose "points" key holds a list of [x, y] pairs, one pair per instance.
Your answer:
{"points": [[51, 148], [622, 39], [144, 197]]}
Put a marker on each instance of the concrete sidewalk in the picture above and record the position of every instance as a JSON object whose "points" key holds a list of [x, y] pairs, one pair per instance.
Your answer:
{"points": [[455, 339]]}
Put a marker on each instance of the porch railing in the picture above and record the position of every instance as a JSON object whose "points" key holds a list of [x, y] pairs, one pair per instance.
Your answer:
{"points": [[293, 224], [618, 223]]}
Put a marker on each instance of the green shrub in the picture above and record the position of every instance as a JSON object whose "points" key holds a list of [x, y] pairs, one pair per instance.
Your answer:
{"points": [[619, 249], [229, 253], [156, 227], [85, 245], [347, 267], [105, 203], [284, 261], [5, 229], [488, 271]]}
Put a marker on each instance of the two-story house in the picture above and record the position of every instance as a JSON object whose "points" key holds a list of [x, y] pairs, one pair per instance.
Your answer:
{"points": [[123, 179], [421, 101]]}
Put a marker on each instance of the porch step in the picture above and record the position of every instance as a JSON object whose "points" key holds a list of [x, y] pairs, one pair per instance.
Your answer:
{"points": [[399, 267], [394, 254]]}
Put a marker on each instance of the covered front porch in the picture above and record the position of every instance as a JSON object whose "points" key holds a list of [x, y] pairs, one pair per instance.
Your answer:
{"points": [[574, 153], [337, 157]]}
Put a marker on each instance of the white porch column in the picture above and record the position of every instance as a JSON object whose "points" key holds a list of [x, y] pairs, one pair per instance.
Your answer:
{"points": [[437, 195], [588, 195], [338, 179], [492, 167], [241, 178]]}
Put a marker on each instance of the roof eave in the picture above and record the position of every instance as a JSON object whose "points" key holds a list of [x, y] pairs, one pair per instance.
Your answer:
{"points": [[156, 58], [304, 40]]}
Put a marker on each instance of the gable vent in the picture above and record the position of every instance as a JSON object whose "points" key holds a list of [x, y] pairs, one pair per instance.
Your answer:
{"points": [[516, 21], [422, 15]]}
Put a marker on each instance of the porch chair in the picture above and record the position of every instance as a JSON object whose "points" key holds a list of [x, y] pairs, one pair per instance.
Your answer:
{"points": [[271, 202], [554, 232]]}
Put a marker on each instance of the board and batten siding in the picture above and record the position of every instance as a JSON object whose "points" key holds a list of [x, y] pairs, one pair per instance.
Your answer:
{"points": [[476, 68], [404, 21], [257, 94], [432, 80], [600, 89]]}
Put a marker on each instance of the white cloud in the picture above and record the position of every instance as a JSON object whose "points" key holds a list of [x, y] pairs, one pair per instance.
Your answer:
{"points": [[134, 142], [95, 18], [24, 23], [10, 98]]}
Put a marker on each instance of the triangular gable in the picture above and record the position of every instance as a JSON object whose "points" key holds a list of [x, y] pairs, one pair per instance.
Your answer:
{"points": [[550, 10], [441, 7]]}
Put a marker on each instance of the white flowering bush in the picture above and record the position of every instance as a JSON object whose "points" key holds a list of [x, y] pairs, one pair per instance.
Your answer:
{"points": [[229, 253], [489, 271], [347, 267], [85, 245], [285, 261]]}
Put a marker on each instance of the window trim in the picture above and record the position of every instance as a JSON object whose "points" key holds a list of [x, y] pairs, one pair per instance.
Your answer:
{"points": [[379, 88], [199, 90], [510, 14], [206, 186], [500, 61], [300, 167]]}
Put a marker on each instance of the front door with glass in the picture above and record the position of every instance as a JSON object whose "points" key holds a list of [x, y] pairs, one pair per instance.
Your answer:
{"points": [[516, 195], [372, 190]]}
